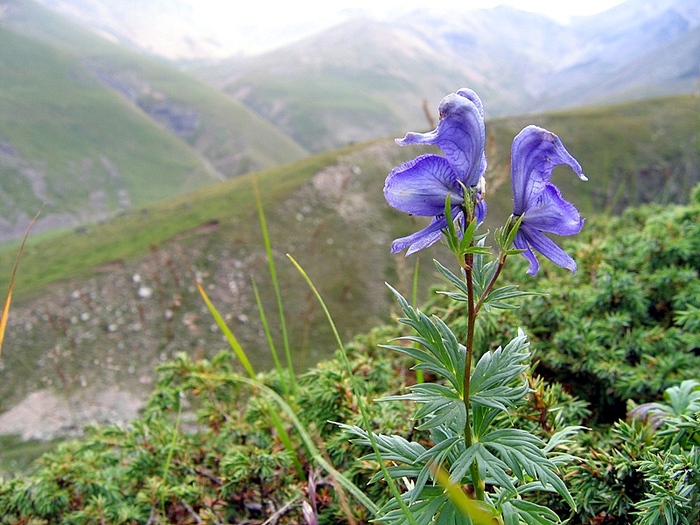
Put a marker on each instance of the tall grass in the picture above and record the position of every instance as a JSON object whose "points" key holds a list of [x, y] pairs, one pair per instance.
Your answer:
{"points": [[8, 300], [286, 403], [278, 294], [360, 402]]}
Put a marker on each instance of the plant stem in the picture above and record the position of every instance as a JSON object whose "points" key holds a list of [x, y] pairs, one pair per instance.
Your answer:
{"points": [[484, 295], [471, 322]]}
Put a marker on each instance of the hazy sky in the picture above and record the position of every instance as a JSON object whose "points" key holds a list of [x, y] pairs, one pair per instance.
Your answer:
{"points": [[256, 25], [274, 12]]}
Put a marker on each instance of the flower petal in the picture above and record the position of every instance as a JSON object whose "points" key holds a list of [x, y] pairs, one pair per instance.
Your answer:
{"points": [[538, 241], [534, 154], [422, 238], [480, 211], [520, 242], [460, 135], [549, 212], [421, 186], [471, 95]]}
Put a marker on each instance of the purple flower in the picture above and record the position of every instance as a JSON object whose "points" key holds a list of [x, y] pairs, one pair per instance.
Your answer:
{"points": [[421, 186], [534, 154]]}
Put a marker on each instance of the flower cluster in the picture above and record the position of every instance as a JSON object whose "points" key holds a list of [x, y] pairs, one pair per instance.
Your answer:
{"points": [[422, 186]]}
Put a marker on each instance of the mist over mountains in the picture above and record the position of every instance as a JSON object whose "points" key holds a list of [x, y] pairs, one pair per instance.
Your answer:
{"points": [[359, 77], [518, 62], [530, 51]]}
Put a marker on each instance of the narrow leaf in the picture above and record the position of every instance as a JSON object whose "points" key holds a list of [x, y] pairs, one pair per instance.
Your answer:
{"points": [[8, 300], [360, 403], [232, 341], [311, 447], [275, 284]]}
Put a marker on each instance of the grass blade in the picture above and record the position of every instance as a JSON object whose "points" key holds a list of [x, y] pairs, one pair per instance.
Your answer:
{"points": [[243, 358], [275, 284], [232, 341], [270, 342], [287, 442], [360, 403], [8, 300], [311, 446]]}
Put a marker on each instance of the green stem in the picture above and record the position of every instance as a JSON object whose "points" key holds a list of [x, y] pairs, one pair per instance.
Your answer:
{"points": [[414, 302], [478, 483], [487, 290]]}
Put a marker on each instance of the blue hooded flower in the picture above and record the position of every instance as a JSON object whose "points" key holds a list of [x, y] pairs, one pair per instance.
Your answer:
{"points": [[421, 186], [534, 155]]}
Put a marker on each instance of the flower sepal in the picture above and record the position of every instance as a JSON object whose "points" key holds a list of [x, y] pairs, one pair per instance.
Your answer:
{"points": [[505, 236], [461, 241]]}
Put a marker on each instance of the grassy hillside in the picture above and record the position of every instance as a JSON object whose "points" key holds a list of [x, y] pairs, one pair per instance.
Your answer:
{"points": [[105, 305], [123, 297], [89, 128], [83, 138]]}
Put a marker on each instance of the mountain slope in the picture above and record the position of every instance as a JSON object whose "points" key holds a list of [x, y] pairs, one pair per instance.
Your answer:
{"points": [[519, 63], [365, 77], [635, 50], [76, 147], [355, 82], [101, 308], [88, 128], [668, 69]]}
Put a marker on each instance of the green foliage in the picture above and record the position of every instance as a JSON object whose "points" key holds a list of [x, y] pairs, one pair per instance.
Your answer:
{"points": [[623, 334], [625, 329], [225, 460], [645, 470], [627, 325], [465, 414]]}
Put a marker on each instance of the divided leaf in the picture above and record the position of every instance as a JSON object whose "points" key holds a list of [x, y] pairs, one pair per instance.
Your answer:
{"points": [[495, 381], [442, 354]]}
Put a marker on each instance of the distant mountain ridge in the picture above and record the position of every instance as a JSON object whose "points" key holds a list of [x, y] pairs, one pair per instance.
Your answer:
{"points": [[541, 62], [637, 49], [519, 63]]}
